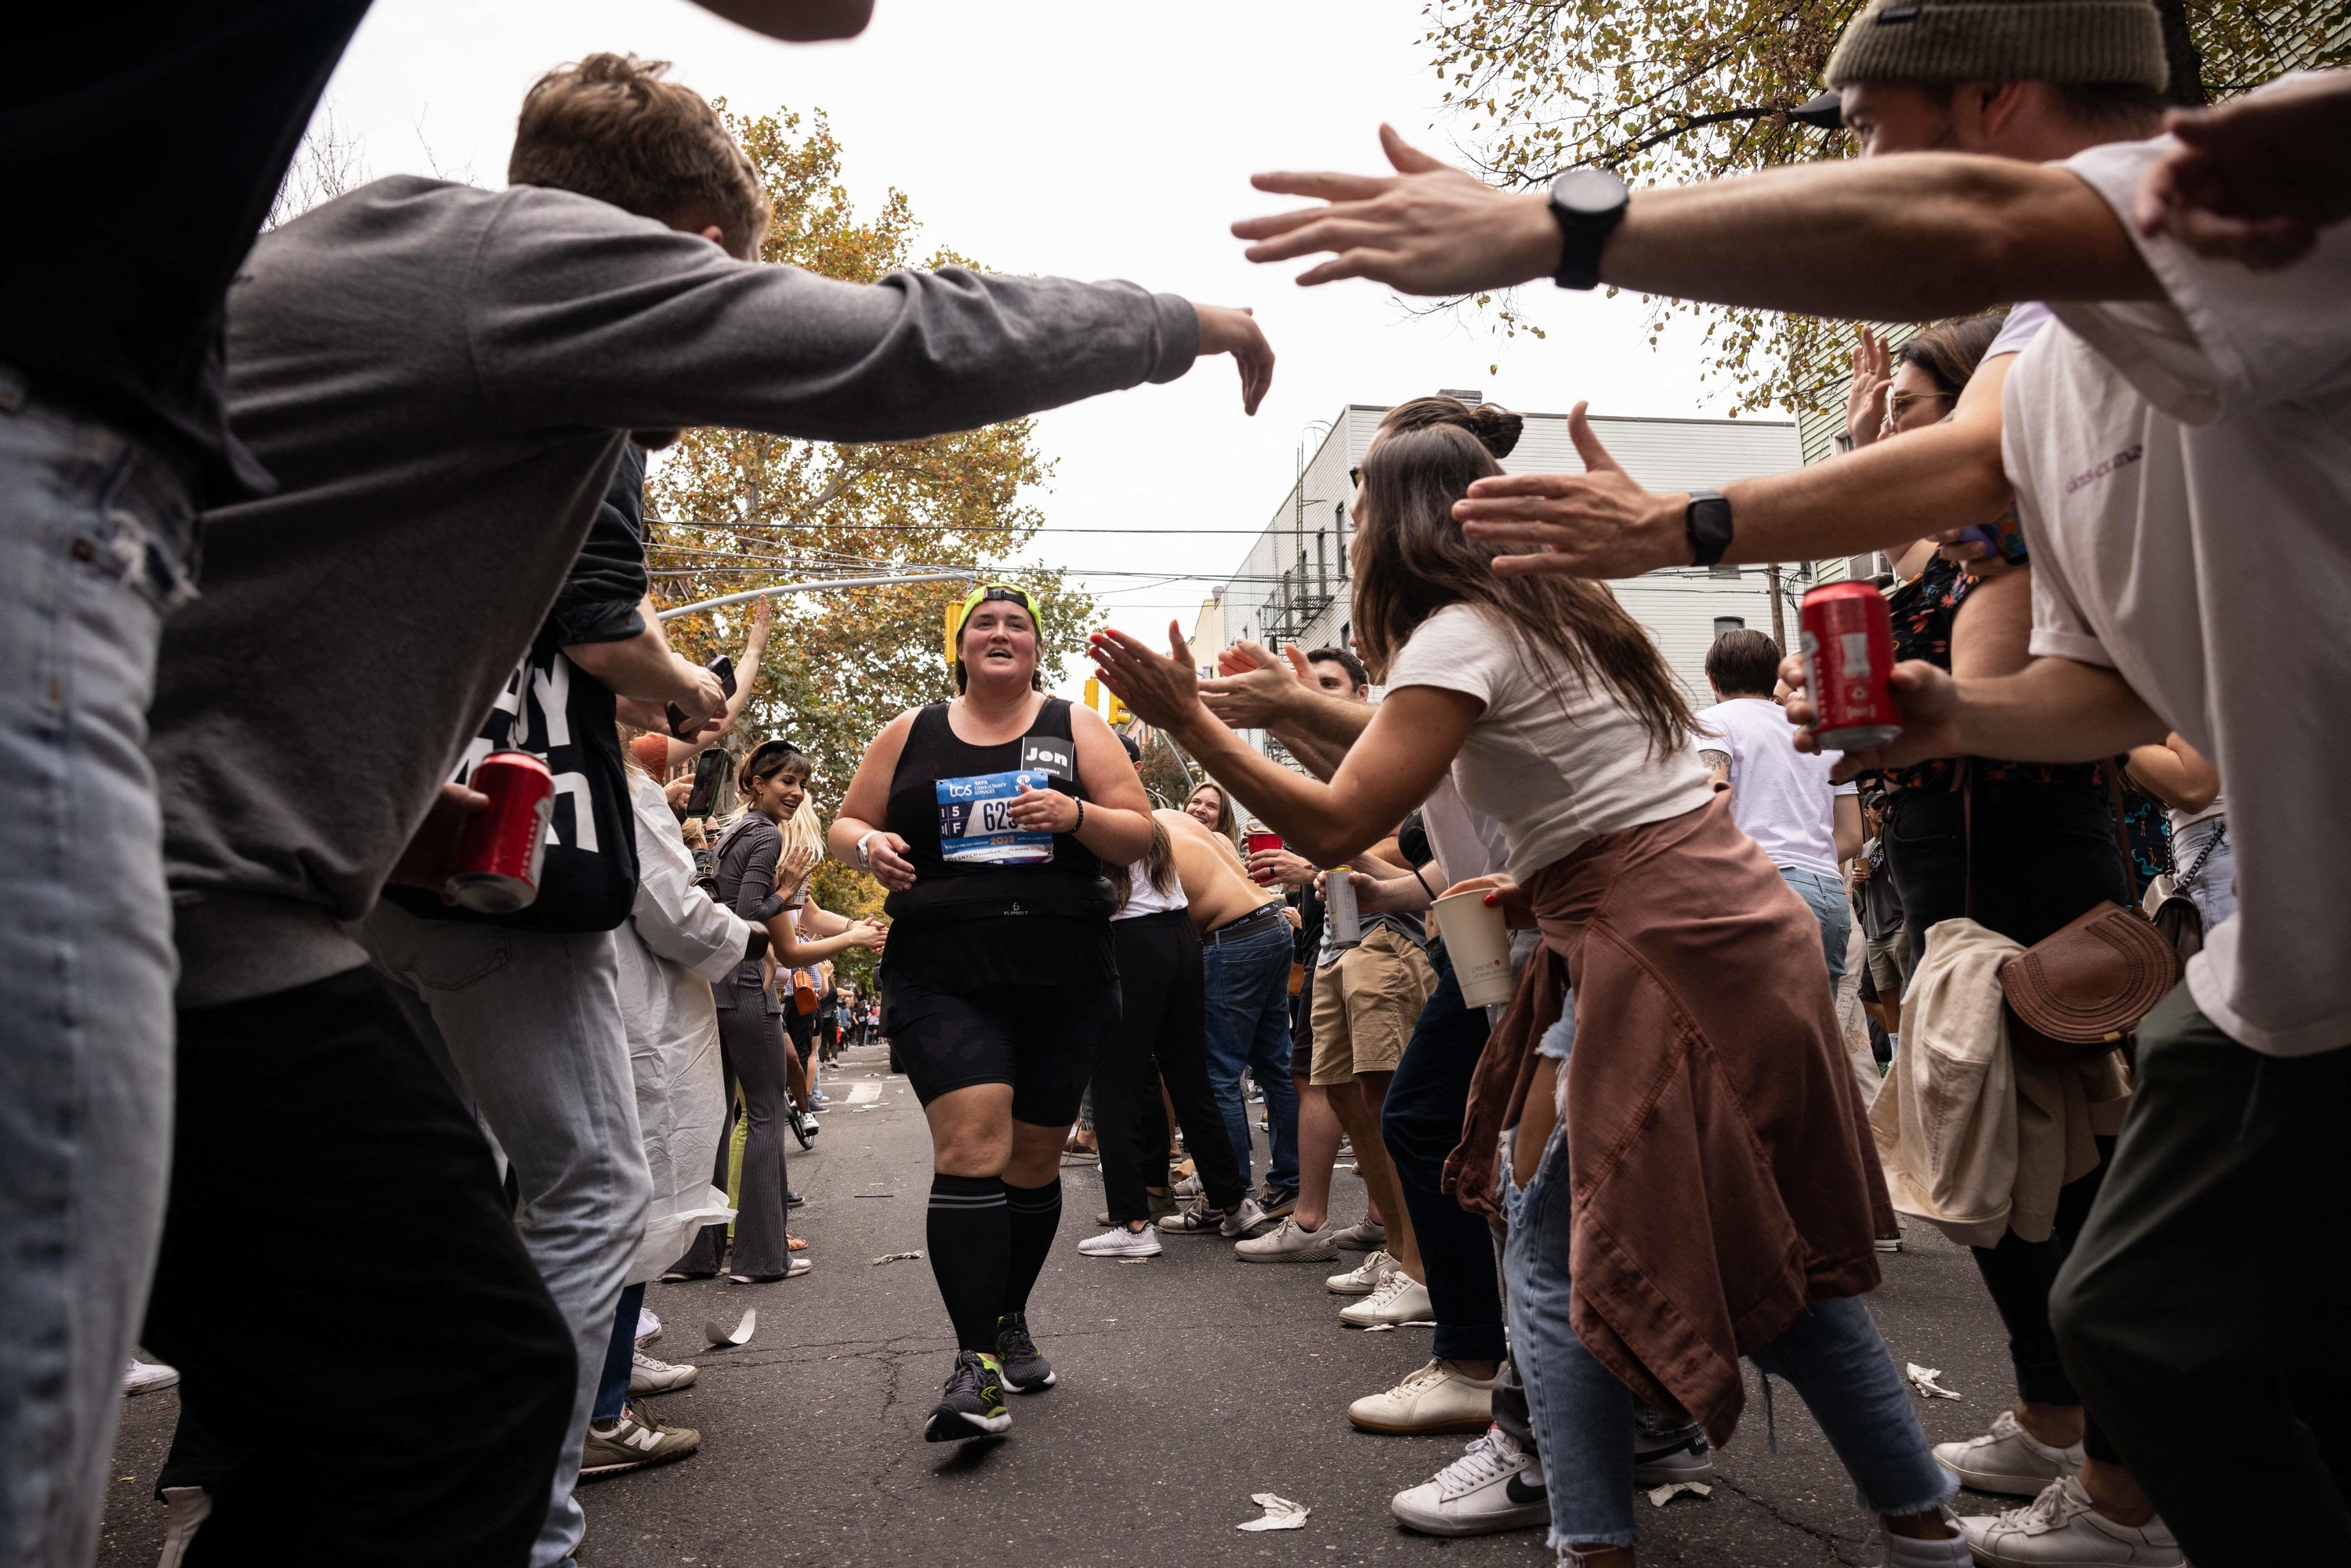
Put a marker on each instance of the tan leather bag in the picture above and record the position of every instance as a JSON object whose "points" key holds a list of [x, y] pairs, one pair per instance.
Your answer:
{"points": [[2082, 989]]}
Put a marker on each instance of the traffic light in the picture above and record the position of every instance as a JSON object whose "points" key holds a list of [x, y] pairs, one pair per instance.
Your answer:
{"points": [[1093, 693], [1118, 714]]}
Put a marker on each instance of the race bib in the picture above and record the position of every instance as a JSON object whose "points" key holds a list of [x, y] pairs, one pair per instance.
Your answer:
{"points": [[975, 826]]}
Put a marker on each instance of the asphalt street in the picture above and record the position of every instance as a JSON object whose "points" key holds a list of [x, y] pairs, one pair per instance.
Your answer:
{"points": [[1187, 1383]]}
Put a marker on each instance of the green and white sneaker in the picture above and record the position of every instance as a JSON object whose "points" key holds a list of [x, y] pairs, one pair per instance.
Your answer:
{"points": [[1025, 1370], [632, 1442], [972, 1403]]}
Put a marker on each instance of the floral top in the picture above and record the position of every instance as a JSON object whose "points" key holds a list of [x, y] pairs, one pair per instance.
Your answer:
{"points": [[1923, 611]]}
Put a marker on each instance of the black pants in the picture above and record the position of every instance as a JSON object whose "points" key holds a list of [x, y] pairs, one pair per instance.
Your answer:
{"points": [[1160, 1020], [751, 1042], [1426, 1102], [317, 1110], [2200, 1312], [2043, 854]]}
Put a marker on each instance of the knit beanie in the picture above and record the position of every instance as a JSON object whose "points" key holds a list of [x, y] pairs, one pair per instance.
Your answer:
{"points": [[2071, 42]]}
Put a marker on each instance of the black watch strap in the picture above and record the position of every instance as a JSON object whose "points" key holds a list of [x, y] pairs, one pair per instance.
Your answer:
{"points": [[1706, 522], [1587, 203]]}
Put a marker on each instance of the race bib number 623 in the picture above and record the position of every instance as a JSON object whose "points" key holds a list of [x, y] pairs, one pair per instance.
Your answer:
{"points": [[975, 824]]}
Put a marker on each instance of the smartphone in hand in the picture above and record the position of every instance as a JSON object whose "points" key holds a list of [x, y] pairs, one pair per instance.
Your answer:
{"points": [[682, 727], [709, 772]]}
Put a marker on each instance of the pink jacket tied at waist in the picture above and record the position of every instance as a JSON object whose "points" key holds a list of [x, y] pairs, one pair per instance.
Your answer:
{"points": [[1722, 1172]]}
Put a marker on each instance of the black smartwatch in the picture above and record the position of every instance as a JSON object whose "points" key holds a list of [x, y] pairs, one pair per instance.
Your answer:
{"points": [[1706, 522], [1588, 203]]}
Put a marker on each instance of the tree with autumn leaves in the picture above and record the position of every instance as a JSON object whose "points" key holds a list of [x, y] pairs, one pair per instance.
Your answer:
{"points": [[1670, 91], [728, 510]]}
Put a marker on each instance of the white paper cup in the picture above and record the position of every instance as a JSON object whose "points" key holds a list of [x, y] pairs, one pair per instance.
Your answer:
{"points": [[1478, 940]]}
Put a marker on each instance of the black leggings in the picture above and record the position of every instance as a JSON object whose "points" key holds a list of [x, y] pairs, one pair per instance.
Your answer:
{"points": [[2043, 854], [1160, 1018]]}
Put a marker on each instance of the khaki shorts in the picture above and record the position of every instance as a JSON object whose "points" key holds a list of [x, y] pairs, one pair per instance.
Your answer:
{"points": [[1366, 1006]]}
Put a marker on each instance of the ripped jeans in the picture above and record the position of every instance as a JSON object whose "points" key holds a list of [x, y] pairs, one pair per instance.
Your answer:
{"points": [[1583, 1417], [95, 539]]}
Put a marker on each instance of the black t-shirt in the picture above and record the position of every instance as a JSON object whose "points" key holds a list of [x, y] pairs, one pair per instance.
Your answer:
{"points": [[559, 712], [187, 115]]}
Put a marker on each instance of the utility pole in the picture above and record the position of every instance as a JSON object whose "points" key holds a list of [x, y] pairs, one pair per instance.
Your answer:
{"points": [[1778, 614]]}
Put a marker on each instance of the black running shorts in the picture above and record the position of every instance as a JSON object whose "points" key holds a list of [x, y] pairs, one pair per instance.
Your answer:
{"points": [[1042, 1040]]}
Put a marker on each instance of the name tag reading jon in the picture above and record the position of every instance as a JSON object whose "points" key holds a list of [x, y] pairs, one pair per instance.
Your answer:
{"points": [[975, 825]]}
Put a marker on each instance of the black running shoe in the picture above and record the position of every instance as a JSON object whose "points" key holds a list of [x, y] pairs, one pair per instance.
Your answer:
{"points": [[972, 1403], [1025, 1370]]}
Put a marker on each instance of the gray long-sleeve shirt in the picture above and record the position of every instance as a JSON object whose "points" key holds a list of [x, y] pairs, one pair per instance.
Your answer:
{"points": [[440, 378]]}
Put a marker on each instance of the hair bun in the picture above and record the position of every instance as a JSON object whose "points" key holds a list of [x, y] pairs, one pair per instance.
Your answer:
{"points": [[1496, 428]]}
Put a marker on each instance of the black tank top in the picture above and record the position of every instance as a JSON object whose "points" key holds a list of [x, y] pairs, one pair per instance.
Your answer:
{"points": [[991, 905]]}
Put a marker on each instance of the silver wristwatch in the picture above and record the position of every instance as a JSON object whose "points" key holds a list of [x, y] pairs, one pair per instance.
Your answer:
{"points": [[865, 856]]}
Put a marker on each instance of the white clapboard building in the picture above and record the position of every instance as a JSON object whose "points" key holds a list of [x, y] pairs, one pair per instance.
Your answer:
{"points": [[1292, 587]]}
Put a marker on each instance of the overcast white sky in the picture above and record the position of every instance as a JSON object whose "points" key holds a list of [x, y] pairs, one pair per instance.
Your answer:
{"points": [[1092, 140]]}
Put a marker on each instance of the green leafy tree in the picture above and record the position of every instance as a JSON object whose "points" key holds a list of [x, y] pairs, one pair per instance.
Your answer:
{"points": [[728, 510], [1667, 92]]}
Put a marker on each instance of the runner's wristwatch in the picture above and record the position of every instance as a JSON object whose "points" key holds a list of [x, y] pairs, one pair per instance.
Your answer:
{"points": [[1587, 203], [864, 855]]}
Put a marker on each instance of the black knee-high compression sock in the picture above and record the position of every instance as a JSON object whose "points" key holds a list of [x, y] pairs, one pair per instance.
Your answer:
{"points": [[1036, 1214], [969, 1239]]}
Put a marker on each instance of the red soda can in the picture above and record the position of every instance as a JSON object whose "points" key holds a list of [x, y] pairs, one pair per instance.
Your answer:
{"points": [[501, 846], [1847, 640]]}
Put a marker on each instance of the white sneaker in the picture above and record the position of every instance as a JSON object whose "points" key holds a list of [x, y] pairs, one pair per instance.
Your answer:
{"points": [[1439, 1397], [1118, 1241], [648, 1325], [1364, 1236], [1189, 1188], [147, 1376], [2008, 1459], [1362, 1281], [1288, 1242], [1242, 1220], [1398, 1298], [1484, 1490], [1687, 1460], [648, 1375], [2061, 1528]]}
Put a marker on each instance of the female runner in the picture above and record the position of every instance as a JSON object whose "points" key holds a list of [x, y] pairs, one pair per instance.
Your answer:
{"points": [[990, 820]]}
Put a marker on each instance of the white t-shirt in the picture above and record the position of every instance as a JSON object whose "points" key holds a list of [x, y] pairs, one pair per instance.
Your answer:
{"points": [[2183, 472], [1552, 774], [2023, 324], [1779, 796]]}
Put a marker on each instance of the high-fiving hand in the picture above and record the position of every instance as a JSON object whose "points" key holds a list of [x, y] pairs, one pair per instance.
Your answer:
{"points": [[1428, 228], [1160, 691], [1598, 523]]}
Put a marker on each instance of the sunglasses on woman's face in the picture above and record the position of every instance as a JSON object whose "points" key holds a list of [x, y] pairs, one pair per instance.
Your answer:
{"points": [[1901, 404]]}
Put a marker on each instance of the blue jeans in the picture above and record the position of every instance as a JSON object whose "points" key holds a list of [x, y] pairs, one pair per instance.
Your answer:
{"points": [[2214, 890], [1246, 986], [1831, 908], [620, 1357], [1583, 1417], [532, 1021], [95, 535], [1426, 1101]]}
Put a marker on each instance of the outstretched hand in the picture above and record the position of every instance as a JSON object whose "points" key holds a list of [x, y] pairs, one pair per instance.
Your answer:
{"points": [[1428, 228], [1929, 700], [1225, 329], [1252, 689], [1158, 690], [2256, 179], [1598, 523], [1872, 385]]}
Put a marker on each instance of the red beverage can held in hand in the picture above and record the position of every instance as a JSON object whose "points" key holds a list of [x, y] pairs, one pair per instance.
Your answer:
{"points": [[1847, 640], [1260, 837], [501, 846]]}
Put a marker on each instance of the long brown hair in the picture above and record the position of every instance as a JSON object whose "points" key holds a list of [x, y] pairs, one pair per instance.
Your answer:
{"points": [[1948, 353], [1158, 864], [1225, 822], [1417, 560]]}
